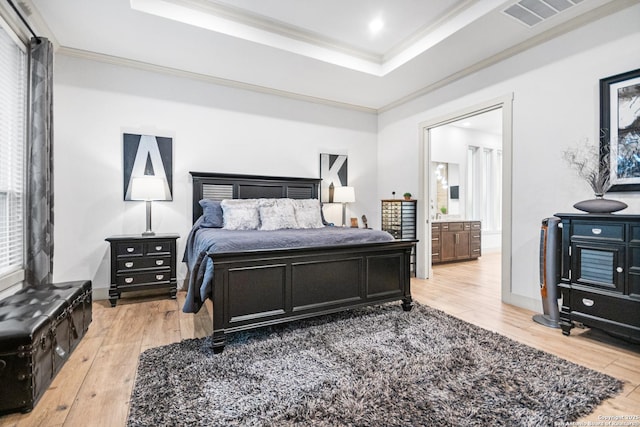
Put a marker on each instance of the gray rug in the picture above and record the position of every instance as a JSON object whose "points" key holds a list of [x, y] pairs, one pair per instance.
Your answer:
{"points": [[378, 366]]}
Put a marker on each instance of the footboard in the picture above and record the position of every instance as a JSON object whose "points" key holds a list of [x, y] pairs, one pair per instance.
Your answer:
{"points": [[266, 287]]}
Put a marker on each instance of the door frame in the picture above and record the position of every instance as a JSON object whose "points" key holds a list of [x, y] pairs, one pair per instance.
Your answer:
{"points": [[423, 250]]}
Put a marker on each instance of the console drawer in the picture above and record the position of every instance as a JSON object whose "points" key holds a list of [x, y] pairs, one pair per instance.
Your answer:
{"points": [[598, 230], [587, 305]]}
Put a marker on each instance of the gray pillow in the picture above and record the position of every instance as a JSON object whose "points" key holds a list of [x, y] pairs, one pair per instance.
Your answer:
{"points": [[212, 213], [278, 216], [308, 213], [240, 214]]}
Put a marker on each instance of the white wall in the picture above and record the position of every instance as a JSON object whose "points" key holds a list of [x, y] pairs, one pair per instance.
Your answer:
{"points": [[555, 105], [215, 129]]}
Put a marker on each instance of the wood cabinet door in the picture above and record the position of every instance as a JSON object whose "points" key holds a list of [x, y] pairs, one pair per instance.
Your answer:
{"points": [[463, 249], [448, 245]]}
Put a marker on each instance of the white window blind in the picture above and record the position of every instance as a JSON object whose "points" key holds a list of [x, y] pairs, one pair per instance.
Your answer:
{"points": [[13, 83]]}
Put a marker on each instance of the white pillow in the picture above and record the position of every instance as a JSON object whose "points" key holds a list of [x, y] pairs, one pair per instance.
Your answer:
{"points": [[278, 216], [308, 213], [240, 214]]}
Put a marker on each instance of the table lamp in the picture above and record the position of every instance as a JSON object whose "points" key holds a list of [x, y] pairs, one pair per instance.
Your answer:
{"points": [[148, 188], [344, 195]]}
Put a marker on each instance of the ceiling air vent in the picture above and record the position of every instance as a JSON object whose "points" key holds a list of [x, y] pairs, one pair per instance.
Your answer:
{"points": [[531, 12]]}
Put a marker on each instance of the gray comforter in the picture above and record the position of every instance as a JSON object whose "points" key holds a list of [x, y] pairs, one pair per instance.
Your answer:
{"points": [[203, 241]]}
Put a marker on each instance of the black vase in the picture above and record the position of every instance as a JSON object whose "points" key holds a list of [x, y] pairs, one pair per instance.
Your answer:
{"points": [[600, 205]]}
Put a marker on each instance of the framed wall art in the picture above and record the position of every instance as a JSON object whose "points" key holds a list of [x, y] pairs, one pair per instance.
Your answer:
{"points": [[620, 129], [147, 155], [333, 172]]}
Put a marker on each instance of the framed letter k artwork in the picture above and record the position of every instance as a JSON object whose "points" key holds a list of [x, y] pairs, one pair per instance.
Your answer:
{"points": [[333, 172]]}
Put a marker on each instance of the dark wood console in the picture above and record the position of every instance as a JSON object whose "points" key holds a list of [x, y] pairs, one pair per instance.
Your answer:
{"points": [[600, 273]]}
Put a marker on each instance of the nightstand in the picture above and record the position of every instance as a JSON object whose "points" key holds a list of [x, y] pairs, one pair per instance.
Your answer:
{"points": [[142, 262]]}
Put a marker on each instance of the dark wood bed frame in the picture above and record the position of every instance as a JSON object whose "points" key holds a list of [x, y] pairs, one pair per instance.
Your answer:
{"points": [[264, 287]]}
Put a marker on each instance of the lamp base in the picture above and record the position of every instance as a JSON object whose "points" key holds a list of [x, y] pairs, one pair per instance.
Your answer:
{"points": [[148, 232]]}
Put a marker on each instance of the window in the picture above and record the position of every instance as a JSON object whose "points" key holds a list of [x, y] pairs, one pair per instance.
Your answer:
{"points": [[13, 84]]}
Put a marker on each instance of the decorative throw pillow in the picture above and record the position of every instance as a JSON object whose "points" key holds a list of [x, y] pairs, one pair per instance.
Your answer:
{"points": [[212, 213], [240, 214], [278, 216], [308, 213]]}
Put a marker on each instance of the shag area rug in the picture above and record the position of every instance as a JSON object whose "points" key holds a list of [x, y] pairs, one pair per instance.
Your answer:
{"points": [[377, 366]]}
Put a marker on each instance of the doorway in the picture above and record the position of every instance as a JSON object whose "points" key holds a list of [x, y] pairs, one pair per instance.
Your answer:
{"points": [[466, 175]]}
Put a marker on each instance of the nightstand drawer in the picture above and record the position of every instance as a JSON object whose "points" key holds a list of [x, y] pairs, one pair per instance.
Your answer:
{"points": [[129, 249], [160, 247], [135, 279], [133, 264]]}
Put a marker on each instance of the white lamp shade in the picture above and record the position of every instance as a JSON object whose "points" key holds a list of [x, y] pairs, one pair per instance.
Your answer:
{"points": [[344, 195], [147, 188]]}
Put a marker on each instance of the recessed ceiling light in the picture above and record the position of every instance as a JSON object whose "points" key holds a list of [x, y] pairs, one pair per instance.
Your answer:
{"points": [[466, 124], [376, 25]]}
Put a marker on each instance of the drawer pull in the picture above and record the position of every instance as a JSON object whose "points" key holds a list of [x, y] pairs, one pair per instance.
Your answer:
{"points": [[619, 269], [158, 248], [159, 276], [476, 250], [128, 264], [596, 231], [128, 280], [587, 302], [131, 249], [159, 261]]}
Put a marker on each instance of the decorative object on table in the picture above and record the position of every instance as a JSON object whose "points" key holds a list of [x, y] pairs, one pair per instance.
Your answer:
{"points": [[590, 163], [331, 190], [387, 367], [407, 196], [354, 223], [148, 188], [333, 170], [620, 129], [344, 195], [147, 155], [364, 221]]}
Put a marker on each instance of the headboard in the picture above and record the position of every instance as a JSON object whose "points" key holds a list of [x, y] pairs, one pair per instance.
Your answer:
{"points": [[219, 186]]}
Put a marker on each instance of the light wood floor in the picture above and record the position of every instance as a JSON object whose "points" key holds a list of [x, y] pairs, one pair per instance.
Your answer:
{"points": [[94, 386]]}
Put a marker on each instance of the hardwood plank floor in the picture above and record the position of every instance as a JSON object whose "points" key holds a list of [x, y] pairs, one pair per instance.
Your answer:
{"points": [[94, 386]]}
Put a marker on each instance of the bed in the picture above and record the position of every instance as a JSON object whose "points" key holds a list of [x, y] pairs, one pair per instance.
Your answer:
{"points": [[253, 287]]}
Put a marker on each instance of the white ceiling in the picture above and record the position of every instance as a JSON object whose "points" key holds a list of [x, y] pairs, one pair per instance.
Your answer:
{"points": [[314, 49]]}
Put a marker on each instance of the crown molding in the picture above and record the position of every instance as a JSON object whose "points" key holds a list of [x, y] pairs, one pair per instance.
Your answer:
{"points": [[145, 66]]}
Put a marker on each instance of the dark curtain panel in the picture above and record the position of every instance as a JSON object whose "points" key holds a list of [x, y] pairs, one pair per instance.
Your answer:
{"points": [[39, 204]]}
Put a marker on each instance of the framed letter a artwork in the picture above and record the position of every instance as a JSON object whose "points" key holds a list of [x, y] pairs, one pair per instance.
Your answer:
{"points": [[147, 155]]}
